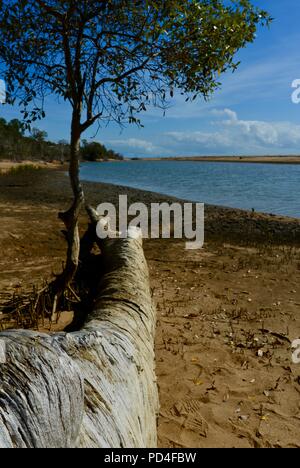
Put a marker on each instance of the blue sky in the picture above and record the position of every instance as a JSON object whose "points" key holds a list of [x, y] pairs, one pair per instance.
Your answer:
{"points": [[252, 114]]}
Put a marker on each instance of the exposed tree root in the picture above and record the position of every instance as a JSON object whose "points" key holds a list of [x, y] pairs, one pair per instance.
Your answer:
{"points": [[45, 304], [34, 309]]}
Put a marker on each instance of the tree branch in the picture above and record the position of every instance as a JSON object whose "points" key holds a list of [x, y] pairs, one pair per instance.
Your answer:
{"points": [[50, 10], [124, 75], [88, 123], [68, 61]]}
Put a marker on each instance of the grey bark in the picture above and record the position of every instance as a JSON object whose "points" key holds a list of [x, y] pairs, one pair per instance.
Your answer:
{"points": [[92, 388], [70, 217]]}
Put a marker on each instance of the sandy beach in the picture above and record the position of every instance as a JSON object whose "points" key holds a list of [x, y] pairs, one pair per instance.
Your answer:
{"points": [[227, 314], [235, 159], [6, 166]]}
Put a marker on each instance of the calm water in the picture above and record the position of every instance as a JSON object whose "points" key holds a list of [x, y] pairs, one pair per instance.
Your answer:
{"points": [[268, 188]]}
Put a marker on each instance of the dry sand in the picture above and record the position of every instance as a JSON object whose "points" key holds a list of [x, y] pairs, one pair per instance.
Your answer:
{"points": [[6, 166], [235, 159], [227, 314]]}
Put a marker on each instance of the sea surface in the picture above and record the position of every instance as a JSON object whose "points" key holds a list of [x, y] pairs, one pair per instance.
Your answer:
{"points": [[269, 188]]}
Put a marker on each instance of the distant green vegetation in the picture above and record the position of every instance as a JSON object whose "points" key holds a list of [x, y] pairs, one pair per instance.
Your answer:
{"points": [[15, 145], [95, 151]]}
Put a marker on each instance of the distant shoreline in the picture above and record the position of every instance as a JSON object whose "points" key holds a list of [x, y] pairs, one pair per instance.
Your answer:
{"points": [[229, 159]]}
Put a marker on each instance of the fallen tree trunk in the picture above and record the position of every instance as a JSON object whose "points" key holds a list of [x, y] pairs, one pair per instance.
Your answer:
{"points": [[92, 388]]}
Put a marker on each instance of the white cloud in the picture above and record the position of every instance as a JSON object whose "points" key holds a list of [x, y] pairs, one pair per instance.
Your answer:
{"points": [[225, 112], [225, 134], [244, 136], [135, 146]]}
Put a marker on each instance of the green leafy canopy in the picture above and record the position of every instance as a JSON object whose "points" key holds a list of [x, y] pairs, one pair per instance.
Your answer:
{"points": [[111, 59]]}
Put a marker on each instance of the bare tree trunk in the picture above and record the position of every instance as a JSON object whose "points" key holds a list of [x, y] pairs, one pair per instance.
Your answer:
{"points": [[70, 218], [95, 387]]}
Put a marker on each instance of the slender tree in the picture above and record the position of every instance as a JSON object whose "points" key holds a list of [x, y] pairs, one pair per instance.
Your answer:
{"points": [[111, 59], [64, 150], [39, 136]]}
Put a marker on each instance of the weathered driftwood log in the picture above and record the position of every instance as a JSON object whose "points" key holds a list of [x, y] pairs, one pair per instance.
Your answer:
{"points": [[92, 388]]}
